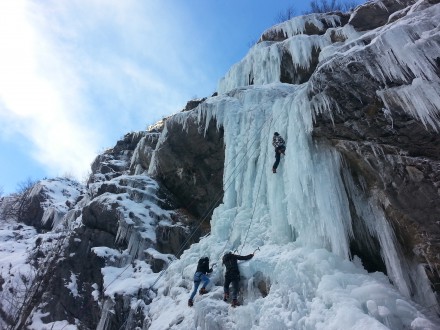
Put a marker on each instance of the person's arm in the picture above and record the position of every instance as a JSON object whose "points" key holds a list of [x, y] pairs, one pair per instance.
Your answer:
{"points": [[206, 268], [249, 256]]}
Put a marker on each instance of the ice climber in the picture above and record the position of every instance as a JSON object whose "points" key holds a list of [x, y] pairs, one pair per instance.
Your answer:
{"points": [[280, 148], [200, 276], [232, 275]]}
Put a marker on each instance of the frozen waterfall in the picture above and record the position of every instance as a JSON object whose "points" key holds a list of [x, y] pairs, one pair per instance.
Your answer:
{"points": [[300, 220], [304, 275]]}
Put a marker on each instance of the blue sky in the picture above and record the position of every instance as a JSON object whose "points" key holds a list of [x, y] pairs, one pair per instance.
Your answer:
{"points": [[76, 75]]}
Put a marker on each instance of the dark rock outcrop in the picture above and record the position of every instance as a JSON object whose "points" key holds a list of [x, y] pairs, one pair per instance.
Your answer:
{"points": [[295, 74], [101, 216], [396, 156], [30, 209], [41, 206], [113, 162], [376, 13], [190, 164], [312, 26], [143, 152], [72, 290], [193, 104]]}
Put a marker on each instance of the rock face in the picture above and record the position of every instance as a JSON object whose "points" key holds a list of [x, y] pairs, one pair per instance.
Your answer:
{"points": [[376, 13], [112, 163], [292, 71], [190, 164], [122, 209], [396, 156], [45, 203]]}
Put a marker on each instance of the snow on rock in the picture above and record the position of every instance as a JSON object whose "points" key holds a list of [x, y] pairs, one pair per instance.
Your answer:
{"points": [[142, 154], [133, 205], [23, 248], [291, 59], [38, 324], [388, 55], [72, 285], [61, 195], [17, 243], [307, 24]]}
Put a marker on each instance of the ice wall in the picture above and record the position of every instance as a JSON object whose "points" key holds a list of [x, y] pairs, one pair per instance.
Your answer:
{"points": [[300, 220], [403, 60], [262, 65]]}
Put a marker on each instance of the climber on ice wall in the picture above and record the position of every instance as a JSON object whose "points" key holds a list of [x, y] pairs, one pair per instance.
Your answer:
{"points": [[232, 275], [280, 148], [200, 276]]}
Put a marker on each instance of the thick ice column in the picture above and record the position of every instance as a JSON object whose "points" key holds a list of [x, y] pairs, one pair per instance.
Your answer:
{"points": [[305, 200]]}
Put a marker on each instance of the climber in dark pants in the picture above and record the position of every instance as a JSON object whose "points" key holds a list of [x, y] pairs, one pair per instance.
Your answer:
{"points": [[280, 148], [232, 275]]}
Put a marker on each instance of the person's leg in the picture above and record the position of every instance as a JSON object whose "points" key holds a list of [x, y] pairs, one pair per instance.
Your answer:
{"points": [[205, 280], [196, 286], [277, 160], [226, 288], [235, 287]]}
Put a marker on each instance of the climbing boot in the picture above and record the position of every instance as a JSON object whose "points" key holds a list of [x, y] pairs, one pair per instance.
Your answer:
{"points": [[226, 297], [274, 170], [190, 302], [202, 291], [235, 303]]}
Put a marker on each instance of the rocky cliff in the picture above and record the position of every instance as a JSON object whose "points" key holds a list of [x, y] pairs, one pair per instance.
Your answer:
{"points": [[370, 81]]}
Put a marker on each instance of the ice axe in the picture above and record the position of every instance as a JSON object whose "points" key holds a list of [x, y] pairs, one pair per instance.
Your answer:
{"points": [[257, 249]]}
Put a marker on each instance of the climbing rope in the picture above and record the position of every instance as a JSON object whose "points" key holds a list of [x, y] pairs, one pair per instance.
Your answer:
{"points": [[228, 183], [233, 222], [213, 205], [216, 200], [258, 191], [258, 194]]}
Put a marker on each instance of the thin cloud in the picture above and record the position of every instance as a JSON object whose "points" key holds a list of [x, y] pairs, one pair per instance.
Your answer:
{"points": [[34, 105], [74, 74]]}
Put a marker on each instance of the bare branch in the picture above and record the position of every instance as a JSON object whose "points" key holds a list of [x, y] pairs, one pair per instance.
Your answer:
{"points": [[16, 205], [325, 6], [285, 15]]}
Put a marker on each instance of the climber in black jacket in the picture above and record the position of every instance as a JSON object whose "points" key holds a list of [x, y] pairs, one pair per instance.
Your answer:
{"points": [[232, 275], [280, 148], [199, 276]]}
